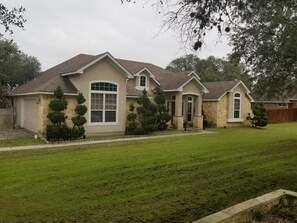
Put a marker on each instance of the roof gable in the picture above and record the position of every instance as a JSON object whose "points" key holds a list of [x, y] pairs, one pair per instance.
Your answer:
{"points": [[95, 60], [50, 79], [218, 89]]}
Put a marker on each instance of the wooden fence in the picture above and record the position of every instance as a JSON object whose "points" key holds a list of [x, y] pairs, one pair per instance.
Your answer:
{"points": [[5, 118], [282, 115]]}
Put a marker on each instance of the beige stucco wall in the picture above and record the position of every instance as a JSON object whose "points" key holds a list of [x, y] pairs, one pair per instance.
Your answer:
{"points": [[104, 71]]}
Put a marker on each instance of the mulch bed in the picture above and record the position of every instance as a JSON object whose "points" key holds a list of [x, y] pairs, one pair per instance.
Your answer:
{"points": [[286, 214]]}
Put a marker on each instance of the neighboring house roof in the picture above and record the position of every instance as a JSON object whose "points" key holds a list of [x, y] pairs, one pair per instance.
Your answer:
{"points": [[276, 100], [218, 89], [49, 80]]}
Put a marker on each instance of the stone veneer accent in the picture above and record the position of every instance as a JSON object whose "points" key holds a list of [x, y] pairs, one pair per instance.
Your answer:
{"points": [[44, 110], [217, 112], [198, 122]]}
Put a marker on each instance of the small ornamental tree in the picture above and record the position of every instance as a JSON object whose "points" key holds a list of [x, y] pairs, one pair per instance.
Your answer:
{"points": [[162, 115], [79, 120], [259, 117], [133, 124], [146, 113], [58, 130]]}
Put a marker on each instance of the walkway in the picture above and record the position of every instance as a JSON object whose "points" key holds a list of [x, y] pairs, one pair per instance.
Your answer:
{"points": [[70, 144]]}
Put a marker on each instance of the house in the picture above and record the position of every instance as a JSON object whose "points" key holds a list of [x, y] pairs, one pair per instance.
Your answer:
{"points": [[279, 109], [227, 103], [109, 85], [276, 104]]}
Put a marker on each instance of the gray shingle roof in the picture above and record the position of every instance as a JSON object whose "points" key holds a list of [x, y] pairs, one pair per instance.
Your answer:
{"points": [[169, 80], [218, 89], [50, 79]]}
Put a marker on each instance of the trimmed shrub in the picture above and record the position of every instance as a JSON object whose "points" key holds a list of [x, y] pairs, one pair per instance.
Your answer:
{"points": [[79, 120], [259, 117], [57, 130]]}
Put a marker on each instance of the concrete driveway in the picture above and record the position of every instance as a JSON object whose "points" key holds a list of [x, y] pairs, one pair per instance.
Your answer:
{"points": [[13, 133]]}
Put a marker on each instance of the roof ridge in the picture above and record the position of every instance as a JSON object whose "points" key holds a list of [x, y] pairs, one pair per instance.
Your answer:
{"points": [[135, 61], [66, 61], [221, 81]]}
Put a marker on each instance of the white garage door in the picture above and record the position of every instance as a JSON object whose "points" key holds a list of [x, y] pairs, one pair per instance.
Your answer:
{"points": [[30, 115]]}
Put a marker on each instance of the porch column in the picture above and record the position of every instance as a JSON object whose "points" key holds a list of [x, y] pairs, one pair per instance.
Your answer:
{"points": [[178, 118], [198, 118]]}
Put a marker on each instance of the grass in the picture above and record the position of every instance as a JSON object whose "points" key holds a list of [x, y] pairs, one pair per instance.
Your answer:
{"points": [[29, 140], [20, 141], [169, 179]]}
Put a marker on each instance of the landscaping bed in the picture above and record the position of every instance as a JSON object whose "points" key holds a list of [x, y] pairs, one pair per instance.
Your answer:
{"points": [[279, 206], [280, 215], [285, 212]]}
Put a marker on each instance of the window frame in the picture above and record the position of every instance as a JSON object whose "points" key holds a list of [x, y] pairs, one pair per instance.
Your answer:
{"points": [[116, 122], [240, 107], [146, 81]]}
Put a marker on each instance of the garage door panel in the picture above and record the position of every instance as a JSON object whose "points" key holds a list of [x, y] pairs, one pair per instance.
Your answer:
{"points": [[30, 115]]}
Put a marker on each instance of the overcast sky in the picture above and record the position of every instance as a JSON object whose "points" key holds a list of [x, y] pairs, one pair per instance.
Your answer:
{"points": [[57, 30]]}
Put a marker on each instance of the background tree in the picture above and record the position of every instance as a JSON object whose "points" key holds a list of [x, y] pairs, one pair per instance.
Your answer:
{"points": [[162, 115], [8, 19], [11, 18], [57, 130], [15, 67], [259, 117], [262, 32], [146, 113], [211, 69], [79, 120], [265, 40]]}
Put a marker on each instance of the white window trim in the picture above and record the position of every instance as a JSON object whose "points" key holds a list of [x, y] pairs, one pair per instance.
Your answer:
{"points": [[235, 120], [103, 123], [146, 82], [240, 108]]}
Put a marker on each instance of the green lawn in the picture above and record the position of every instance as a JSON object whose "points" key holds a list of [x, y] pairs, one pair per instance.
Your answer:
{"points": [[21, 141], [169, 179]]}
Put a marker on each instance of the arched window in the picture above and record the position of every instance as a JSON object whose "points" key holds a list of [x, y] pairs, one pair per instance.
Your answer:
{"points": [[103, 102], [236, 105], [142, 81]]}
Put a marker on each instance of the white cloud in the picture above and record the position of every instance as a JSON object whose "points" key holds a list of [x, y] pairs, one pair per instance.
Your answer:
{"points": [[57, 30]]}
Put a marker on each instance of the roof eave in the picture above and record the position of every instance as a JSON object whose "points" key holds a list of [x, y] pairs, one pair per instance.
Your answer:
{"points": [[41, 92], [211, 100]]}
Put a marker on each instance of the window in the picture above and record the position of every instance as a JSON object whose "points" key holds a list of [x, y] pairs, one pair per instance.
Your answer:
{"points": [[142, 81], [236, 105], [190, 109], [282, 105], [103, 102]]}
